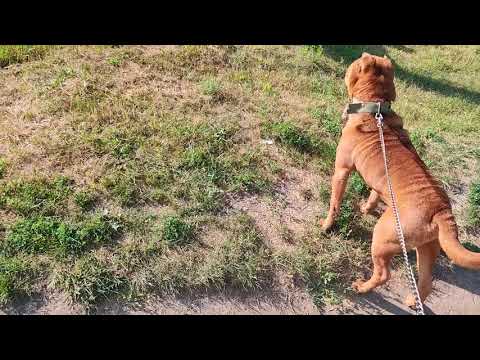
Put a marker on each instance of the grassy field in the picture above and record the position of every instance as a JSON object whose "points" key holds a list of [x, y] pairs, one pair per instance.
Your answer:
{"points": [[133, 171]]}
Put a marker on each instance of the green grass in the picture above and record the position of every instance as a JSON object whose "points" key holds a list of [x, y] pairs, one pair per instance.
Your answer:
{"points": [[211, 87], [348, 216], [120, 145], [474, 204], [123, 174], [89, 280], [17, 278], [115, 61], [328, 120], [301, 141], [11, 54], [3, 167], [40, 235], [357, 186], [62, 76], [318, 263], [177, 232], [289, 134], [38, 196], [85, 199], [123, 188], [240, 261]]}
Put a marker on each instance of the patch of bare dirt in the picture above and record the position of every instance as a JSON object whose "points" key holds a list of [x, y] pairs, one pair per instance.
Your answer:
{"points": [[152, 50], [283, 218], [266, 303], [47, 304]]}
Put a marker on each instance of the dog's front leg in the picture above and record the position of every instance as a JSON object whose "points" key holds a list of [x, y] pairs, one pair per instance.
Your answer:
{"points": [[344, 165], [339, 183]]}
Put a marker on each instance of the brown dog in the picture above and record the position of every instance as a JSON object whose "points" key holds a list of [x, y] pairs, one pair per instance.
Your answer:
{"points": [[425, 211]]}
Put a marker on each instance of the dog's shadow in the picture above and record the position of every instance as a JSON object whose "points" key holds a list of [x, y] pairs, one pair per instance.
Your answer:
{"points": [[456, 276], [375, 303]]}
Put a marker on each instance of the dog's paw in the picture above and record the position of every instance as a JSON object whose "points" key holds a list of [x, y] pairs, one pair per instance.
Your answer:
{"points": [[358, 286], [364, 208], [410, 302], [325, 225]]}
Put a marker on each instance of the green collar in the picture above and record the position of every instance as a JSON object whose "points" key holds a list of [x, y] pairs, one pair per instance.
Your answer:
{"points": [[369, 107]]}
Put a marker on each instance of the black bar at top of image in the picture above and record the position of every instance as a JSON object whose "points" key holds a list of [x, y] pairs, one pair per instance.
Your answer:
{"points": [[185, 23]]}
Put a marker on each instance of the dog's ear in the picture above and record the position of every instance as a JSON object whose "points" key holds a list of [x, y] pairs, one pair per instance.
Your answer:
{"points": [[387, 70], [367, 63], [389, 66], [351, 77]]}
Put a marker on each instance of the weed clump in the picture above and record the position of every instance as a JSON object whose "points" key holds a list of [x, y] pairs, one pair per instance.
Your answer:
{"points": [[348, 214], [177, 232], [85, 199], [211, 87], [329, 120], [240, 260], [291, 135]]}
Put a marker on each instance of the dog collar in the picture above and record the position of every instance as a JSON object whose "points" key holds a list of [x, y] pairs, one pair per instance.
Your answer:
{"points": [[369, 107]]}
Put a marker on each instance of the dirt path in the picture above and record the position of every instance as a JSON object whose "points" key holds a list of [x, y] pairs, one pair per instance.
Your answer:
{"points": [[456, 292]]}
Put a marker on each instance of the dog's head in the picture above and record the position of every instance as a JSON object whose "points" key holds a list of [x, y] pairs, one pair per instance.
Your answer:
{"points": [[370, 78]]}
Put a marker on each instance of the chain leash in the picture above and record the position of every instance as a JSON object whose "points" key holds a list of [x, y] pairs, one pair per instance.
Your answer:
{"points": [[398, 226]]}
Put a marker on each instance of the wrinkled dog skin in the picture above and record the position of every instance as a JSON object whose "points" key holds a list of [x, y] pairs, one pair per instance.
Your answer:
{"points": [[425, 211]]}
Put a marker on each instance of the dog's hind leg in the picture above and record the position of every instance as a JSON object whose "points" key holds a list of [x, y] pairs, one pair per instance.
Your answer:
{"points": [[384, 247], [426, 257]]}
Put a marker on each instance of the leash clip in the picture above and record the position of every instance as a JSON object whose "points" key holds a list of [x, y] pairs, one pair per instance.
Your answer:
{"points": [[379, 116]]}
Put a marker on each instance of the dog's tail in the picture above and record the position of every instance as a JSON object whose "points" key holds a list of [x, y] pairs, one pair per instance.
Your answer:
{"points": [[448, 237]]}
